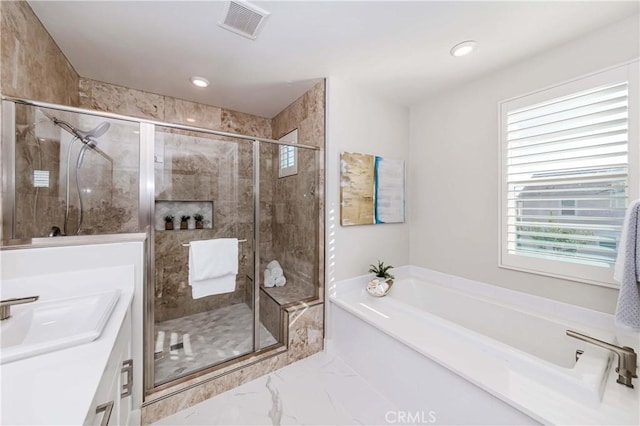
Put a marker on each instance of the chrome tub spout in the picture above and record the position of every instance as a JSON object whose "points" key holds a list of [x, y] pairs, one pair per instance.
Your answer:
{"points": [[627, 358]]}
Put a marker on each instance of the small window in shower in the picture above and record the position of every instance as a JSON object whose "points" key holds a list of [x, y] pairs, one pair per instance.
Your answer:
{"points": [[288, 155]]}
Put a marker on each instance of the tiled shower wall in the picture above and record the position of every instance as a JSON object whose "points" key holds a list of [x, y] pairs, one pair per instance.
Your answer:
{"points": [[201, 169], [221, 172], [32, 67], [31, 64], [296, 238]]}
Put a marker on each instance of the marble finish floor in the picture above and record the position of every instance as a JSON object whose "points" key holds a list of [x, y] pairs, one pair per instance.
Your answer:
{"points": [[318, 390], [188, 344]]}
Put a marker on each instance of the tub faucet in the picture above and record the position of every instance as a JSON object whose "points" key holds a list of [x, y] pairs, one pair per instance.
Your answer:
{"points": [[55, 231], [627, 358]]}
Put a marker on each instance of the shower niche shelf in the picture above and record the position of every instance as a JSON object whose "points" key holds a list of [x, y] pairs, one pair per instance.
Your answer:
{"points": [[179, 208]]}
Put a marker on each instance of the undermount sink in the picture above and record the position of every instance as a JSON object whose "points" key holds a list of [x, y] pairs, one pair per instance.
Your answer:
{"points": [[48, 326]]}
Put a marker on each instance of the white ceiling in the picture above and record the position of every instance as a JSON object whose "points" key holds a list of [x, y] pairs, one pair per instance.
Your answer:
{"points": [[399, 50]]}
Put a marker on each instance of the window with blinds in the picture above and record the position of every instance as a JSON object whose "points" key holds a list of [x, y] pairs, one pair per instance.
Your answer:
{"points": [[565, 183], [288, 158]]}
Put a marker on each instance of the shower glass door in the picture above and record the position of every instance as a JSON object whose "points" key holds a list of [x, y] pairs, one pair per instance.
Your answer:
{"points": [[69, 173], [203, 190]]}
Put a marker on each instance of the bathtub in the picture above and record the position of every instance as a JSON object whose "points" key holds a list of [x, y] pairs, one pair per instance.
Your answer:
{"points": [[510, 345]]}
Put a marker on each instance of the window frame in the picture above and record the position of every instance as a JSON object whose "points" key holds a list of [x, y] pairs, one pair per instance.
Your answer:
{"points": [[291, 137], [563, 269]]}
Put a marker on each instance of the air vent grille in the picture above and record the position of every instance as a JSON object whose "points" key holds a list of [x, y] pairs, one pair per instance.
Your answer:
{"points": [[243, 18]]}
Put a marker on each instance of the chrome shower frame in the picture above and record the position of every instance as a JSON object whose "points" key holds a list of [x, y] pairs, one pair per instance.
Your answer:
{"points": [[146, 206]]}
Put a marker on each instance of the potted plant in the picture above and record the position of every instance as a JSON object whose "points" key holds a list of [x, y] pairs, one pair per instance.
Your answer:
{"points": [[168, 222], [198, 218], [184, 222], [383, 280]]}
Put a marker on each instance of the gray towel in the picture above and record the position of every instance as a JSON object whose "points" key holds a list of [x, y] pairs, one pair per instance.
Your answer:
{"points": [[628, 271]]}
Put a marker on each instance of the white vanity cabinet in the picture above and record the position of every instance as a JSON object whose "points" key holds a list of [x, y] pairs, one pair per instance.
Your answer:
{"points": [[66, 386], [111, 403]]}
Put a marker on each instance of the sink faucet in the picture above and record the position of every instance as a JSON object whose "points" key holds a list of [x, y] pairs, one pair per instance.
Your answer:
{"points": [[627, 358], [5, 305]]}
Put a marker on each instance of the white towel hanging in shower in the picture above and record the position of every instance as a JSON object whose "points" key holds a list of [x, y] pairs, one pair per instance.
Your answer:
{"points": [[213, 266]]}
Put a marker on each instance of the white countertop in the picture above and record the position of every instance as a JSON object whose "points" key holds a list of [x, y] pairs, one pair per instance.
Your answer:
{"points": [[58, 387]]}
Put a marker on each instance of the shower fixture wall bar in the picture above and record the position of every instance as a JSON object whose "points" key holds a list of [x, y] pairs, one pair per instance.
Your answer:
{"points": [[247, 138]]}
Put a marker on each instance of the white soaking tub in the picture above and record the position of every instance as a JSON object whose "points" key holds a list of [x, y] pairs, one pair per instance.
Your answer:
{"points": [[512, 345]]}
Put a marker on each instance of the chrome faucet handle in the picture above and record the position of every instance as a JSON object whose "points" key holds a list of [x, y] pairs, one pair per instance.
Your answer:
{"points": [[55, 231], [627, 368], [5, 305]]}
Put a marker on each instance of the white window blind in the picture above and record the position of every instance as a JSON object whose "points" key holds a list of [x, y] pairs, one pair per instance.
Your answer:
{"points": [[567, 172], [569, 166]]}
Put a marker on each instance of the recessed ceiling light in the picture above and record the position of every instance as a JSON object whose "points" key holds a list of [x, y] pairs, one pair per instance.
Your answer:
{"points": [[463, 49], [199, 81], [191, 120]]}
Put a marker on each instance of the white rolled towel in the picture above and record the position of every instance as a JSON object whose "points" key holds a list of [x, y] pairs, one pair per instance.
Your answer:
{"points": [[280, 281], [275, 269], [268, 279]]}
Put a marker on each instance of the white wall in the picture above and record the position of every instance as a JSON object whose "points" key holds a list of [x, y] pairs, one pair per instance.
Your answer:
{"points": [[359, 122], [453, 167]]}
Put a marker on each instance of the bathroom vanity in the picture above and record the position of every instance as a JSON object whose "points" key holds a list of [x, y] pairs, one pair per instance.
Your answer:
{"points": [[80, 384], [92, 381]]}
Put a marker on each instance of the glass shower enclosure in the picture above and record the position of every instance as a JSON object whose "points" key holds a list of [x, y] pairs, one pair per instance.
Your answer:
{"points": [[69, 173]]}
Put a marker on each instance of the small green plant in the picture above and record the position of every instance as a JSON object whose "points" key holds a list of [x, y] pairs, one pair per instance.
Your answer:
{"points": [[184, 218], [169, 218], [381, 270], [198, 217]]}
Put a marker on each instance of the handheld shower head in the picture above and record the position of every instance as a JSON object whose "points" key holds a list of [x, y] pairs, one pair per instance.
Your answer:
{"points": [[90, 135], [86, 136]]}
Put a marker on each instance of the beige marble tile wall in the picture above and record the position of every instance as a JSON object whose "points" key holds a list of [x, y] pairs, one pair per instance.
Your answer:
{"points": [[108, 178], [31, 64], [297, 232], [270, 315], [218, 173], [305, 323], [193, 168], [268, 174], [33, 67]]}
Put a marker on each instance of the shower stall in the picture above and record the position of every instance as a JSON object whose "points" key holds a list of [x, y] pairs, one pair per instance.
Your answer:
{"points": [[69, 173]]}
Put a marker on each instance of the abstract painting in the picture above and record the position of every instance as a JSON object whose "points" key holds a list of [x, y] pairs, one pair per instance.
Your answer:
{"points": [[371, 190]]}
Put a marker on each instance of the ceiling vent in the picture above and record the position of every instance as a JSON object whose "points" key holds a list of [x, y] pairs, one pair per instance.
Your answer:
{"points": [[243, 18]]}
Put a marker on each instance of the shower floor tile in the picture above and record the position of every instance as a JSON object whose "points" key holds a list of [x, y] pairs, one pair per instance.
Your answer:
{"points": [[188, 344]]}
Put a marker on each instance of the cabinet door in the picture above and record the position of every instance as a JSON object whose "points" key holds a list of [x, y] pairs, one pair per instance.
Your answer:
{"points": [[107, 402], [106, 413]]}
